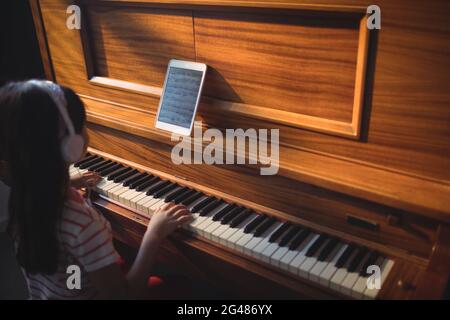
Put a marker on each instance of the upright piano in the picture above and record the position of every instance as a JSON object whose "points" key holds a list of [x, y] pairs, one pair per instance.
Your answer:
{"points": [[364, 130]]}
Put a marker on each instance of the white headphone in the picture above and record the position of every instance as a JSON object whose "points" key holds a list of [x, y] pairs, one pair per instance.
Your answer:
{"points": [[72, 146]]}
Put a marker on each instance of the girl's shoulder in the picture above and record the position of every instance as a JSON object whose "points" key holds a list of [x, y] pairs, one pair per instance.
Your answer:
{"points": [[78, 214], [85, 234]]}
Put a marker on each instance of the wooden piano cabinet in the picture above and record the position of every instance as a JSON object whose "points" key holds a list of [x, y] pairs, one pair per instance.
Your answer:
{"points": [[436, 278]]}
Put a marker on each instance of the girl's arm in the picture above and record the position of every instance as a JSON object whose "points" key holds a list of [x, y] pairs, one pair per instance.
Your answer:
{"points": [[112, 283]]}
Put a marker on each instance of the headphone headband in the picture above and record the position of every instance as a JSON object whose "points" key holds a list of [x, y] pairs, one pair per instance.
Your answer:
{"points": [[59, 98], [72, 146]]}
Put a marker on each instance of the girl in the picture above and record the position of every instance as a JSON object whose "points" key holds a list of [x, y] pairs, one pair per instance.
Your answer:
{"points": [[52, 225]]}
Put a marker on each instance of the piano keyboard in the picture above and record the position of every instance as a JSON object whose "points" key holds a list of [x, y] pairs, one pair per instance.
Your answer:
{"points": [[323, 259]]}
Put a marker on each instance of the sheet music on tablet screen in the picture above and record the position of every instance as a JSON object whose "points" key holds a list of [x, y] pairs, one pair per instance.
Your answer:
{"points": [[180, 96]]}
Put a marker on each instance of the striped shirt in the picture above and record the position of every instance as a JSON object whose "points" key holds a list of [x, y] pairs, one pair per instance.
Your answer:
{"points": [[85, 240]]}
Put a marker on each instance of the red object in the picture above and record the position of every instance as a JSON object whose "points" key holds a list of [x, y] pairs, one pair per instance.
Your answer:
{"points": [[166, 287]]}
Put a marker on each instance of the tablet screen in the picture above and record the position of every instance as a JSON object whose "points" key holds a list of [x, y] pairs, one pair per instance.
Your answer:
{"points": [[180, 96]]}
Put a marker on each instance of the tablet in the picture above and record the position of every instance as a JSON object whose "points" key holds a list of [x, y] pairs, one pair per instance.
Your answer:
{"points": [[180, 97]]}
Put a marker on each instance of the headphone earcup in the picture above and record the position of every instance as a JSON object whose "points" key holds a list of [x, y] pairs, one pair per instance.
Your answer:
{"points": [[72, 148]]}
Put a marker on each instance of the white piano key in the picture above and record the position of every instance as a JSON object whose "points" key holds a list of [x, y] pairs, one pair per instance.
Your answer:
{"points": [[385, 269], [140, 195], [258, 244], [146, 207], [320, 266], [352, 277], [114, 188], [211, 228], [276, 257], [155, 205], [361, 284], [135, 201], [262, 245], [271, 248], [309, 262], [205, 222], [233, 234], [195, 216], [240, 244], [330, 270], [202, 228], [215, 235], [233, 240], [103, 183], [291, 254], [161, 201], [198, 219], [141, 203], [118, 191], [301, 257], [127, 196], [341, 273]]}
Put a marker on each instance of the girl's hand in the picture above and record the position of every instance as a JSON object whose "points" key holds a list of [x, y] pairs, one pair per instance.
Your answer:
{"points": [[86, 180], [167, 219]]}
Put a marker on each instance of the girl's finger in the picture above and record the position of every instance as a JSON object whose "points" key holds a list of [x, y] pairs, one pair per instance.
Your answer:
{"points": [[175, 208], [181, 212], [165, 206], [184, 219]]}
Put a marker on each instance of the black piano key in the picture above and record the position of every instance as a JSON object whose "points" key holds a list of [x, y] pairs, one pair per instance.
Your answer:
{"points": [[288, 236], [84, 160], [164, 191], [197, 195], [231, 215], [175, 194], [98, 165], [356, 261], [205, 206], [117, 173], [240, 218], [108, 172], [274, 237], [124, 176], [316, 245], [142, 180], [169, 190], [222, 212], [134, 179], [132, 176], [90, 163], [264, 226], [329, 247], [184, 195], [158, 186], [104, 166], [148, 183], [255, 222], [299, 238], [373, 257], [345, 256], [112, 168]]}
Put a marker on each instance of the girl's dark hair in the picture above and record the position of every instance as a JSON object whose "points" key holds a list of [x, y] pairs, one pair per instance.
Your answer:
{"points": [[38, 173]]}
